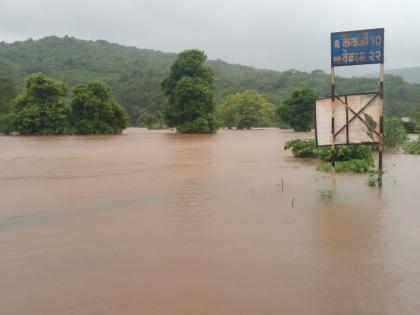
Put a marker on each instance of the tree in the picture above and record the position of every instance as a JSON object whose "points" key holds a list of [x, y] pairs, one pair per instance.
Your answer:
{"points": [[7, 94], [95, 111], [245, 110], [394, 133], [40, 108], [297, 111], [189, 89]]}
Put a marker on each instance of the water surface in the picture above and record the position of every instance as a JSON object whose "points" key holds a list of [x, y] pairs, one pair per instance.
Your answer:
{"points": [[153, 222]]}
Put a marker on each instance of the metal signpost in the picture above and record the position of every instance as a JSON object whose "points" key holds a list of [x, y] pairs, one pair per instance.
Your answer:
{"points": [[348, 49]]}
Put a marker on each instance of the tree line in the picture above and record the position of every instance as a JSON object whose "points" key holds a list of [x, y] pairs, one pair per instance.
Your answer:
{"points": [[135, 76], [45, 107]]}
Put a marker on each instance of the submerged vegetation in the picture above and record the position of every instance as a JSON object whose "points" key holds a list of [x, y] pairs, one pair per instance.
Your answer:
{"points": [[412, 147], [307, 148], [44, 107], [349, 158], [245, 110], [189, 88], [395, 134], [298, 110]]}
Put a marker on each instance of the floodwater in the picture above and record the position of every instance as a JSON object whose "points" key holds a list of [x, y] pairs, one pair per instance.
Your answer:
{"points": [[152, 222]]}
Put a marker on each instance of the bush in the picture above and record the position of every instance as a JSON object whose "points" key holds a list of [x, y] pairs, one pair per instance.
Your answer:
{"points": [[95, 111], [40, 108], [297, 111], [349, 158], [307, 148], [409, 126], [352, 166], [204, 124], [245, 110], [394, 133], [412, 147], [6, 123]]}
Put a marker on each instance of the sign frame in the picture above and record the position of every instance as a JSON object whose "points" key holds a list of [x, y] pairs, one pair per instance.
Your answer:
{"points": [[374, 94]]}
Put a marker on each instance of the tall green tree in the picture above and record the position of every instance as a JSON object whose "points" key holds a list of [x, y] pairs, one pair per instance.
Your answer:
{"points": [[95, 111], [298, 110], [40, 108], [245, 110], [189, 89]]}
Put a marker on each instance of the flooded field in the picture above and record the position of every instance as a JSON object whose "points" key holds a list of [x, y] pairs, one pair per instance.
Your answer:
{"points": [[152, 222]]}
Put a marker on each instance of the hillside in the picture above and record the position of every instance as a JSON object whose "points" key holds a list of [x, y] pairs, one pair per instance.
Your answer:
{"points": [[411, 75], [135, 74]]}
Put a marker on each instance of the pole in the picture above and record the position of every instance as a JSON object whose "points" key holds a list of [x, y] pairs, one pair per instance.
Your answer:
{"points": [[381, 123], [332, 125]]}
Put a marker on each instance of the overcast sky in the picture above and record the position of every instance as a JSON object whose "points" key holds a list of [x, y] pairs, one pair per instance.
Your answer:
{"points": [[274, 34]]}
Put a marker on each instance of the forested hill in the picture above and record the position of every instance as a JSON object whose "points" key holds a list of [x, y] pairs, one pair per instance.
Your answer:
{"points": [[409, 74], [135, 74]]}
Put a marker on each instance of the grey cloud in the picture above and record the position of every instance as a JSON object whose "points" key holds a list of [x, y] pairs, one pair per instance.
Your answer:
{"points": [[266, 33]]}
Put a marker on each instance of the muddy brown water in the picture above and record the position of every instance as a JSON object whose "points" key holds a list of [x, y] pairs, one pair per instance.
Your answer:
{"points": [[152, 222]]}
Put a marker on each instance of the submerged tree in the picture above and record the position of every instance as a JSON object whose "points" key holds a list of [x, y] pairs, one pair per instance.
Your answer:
{"points": [[245, 110], [40, 108], [298, 110], [95, 111], [189, 89]]}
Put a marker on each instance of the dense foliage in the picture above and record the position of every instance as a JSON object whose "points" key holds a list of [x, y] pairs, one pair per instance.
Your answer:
{"points": [[95, 111], [245, 110], [40, 108], [394, 133], [307, 148], [7, 93], [298, 110], [44, 108], [189, 89], [350, 166], [412, 147], [349, 158], [135, 74]]}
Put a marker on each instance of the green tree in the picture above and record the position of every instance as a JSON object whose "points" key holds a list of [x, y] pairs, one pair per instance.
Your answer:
{"points": [[7, 94], [394, 133], [245, 110], [298, 110], [189, 89], [40, 108], [95, 111]]}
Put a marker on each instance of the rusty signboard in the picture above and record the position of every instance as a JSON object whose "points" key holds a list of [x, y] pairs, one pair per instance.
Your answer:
{"points": [[357, 119], [357, 47]]}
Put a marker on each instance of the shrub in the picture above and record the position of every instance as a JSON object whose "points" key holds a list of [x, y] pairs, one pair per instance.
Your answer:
{"points": [[95, 111], [40, 108], [307, 148], [412, 147], [394, 133], [352, 166]]}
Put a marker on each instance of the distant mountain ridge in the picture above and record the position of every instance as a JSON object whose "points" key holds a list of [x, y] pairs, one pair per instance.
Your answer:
{"points": [[135, 74]]}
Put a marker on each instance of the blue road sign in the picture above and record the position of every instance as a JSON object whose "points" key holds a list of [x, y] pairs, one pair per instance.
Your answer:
{"points": [[357, 47]]}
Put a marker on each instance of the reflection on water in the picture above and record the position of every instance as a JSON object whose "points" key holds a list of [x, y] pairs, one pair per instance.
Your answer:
{"points": [[157, 223]]}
